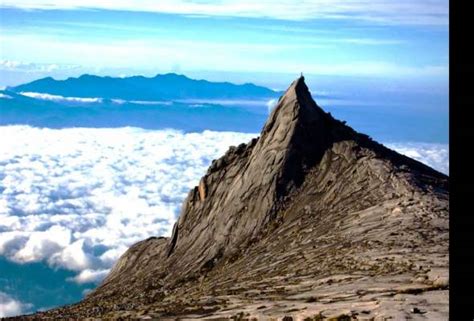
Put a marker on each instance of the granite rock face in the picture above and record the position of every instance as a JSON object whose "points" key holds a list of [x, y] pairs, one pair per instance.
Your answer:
{"points": [[311, 220]]}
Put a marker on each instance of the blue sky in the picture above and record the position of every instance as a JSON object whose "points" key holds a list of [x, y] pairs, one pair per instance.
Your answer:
{"points": [[406, 41], [382, 65]]}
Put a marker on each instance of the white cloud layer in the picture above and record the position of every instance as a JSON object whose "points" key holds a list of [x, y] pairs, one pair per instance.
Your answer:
{"points": [[426, 12], [191, 102], [5, 96], [33, 67], [44, 96], [59, 98], [11, 307], [271, 104], [79, 197], [90, 276], [433, 155]]}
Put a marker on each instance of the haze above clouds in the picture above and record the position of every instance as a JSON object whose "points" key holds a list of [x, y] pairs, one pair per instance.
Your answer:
{"points": [[379, 38], [382, 11]]}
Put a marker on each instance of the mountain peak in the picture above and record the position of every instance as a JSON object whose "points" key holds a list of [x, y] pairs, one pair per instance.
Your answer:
{"points": [[300, 128], [296, 101], [299, 83], [299, 88], [89, 76], [172, 75]]}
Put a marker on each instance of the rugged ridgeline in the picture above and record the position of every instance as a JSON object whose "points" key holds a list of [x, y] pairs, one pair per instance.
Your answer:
{"points": [[310, 220], [161, 87]]}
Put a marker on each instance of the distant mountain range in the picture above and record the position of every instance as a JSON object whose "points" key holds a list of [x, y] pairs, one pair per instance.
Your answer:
{"points": [[161, 87]]}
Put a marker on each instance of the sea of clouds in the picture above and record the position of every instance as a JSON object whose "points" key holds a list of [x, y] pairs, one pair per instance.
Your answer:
{"points": [[433, 155], [77, 198]]}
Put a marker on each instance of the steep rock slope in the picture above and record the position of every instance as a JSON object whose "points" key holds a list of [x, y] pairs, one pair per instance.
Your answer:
{"points": [[310, 220]]}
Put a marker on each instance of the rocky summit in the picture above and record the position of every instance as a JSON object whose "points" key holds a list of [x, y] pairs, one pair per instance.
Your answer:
{"points": [[310, 221]]}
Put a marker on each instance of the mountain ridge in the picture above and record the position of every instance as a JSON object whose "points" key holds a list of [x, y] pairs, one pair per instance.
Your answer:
{"points": [[310, 220], [159, 87]]}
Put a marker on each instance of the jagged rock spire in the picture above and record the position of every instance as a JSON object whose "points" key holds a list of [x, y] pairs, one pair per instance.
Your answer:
{"points": [[302, 130], [244, 190]]}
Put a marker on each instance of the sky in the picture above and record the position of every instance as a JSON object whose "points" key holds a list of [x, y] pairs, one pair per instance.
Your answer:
{"points": [[69, 198], [235, 40]]}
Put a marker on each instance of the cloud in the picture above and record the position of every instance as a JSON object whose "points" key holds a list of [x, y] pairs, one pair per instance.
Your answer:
{"points": [[44, 96], [271, 104], [193, 102], [143, 102], [374, 68], [367, 41], [11, 307], [59, 98], [224, 102], [41, 245], [215, 55], [428, 12], [5, 96], [77, 198], [90, 276], [433, 155], [12, 65]]}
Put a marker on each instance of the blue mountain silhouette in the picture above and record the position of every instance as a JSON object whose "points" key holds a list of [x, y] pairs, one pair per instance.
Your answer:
{"points": [[161, 87]]}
